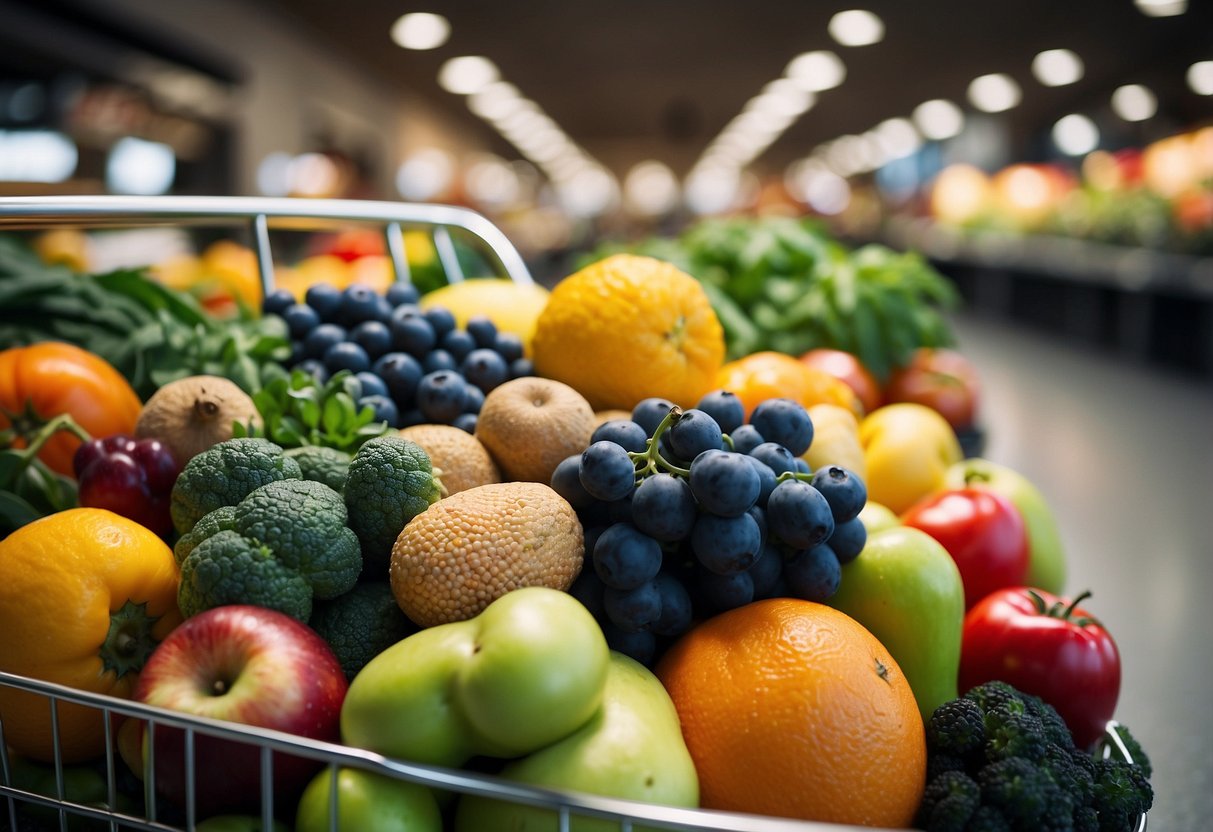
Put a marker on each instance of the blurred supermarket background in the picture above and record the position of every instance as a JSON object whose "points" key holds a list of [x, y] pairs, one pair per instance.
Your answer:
{"points": [[1055, 160]]}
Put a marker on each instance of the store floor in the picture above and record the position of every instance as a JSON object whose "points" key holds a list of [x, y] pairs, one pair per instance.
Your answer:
{"points": [[1124, 454]]}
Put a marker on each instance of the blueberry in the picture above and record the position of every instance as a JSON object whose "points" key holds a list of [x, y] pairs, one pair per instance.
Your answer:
{"points": [[713, 592], [802, 466], [693, 433], [372, 385], [725, 407], [648, 413], [726, 545], [848, 539], [401, 373], [298, 353], [664, 508], [277, 301], [399, 294], [799, 515], [845, 492], [483, 331], [745, 439], [372, 336], [632, 610], [638, 645], [623, 432], [784, 421], [765, 476], [473, 399], [485, 368], [314, 368], [441, 319], [509, 345], [318, 341], [440, 396], [325, 298], [765, 571], [412, 416], [676, 612], [359, 303], [466, 421], [566, 481], [724, 483], [385, 409], [300, 320], [813, 575], [607, 472], [439, 360], [412, 334], [778, 458], [521, 367], [625, 558], [346, 356], [458, 343]]}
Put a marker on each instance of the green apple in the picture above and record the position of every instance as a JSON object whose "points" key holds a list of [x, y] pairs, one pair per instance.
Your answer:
{"points": [[631, 749], [237, 823], [906, 590], [876, 517], [1046, 555], [366, 800], [527, 671]]}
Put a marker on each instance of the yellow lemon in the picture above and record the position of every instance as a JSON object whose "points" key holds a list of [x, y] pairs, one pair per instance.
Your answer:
{"points": [[627, 328], [513, 307]]}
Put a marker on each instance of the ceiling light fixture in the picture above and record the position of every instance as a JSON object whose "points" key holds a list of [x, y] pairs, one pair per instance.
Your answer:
{"points": [[994, 93], [817, 71], [650, 189], [897, 138], [420, 30], [1200, 77], [467, 74], [856, 27], [1057, 67], [1075, 135], [1133, 102], [1161, 8], [938, 119]]}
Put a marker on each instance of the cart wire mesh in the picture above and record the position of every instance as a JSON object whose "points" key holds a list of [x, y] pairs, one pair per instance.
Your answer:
{"points": [[259, 216]]}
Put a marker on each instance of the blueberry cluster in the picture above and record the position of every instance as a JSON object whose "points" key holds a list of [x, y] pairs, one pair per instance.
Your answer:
{"points": [[415, 366], [691, 513]]}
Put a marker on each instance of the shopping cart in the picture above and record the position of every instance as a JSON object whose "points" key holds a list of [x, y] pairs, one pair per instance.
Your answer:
{"points": [[259, 217]]}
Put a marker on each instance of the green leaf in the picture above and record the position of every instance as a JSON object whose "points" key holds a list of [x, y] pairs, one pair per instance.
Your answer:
{"points": [[15, 512], [155, 296], [334, 415]]}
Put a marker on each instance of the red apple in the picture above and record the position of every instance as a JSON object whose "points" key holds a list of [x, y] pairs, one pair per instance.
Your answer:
{"points": [[943, 380], [848, 369], [249, 665]]}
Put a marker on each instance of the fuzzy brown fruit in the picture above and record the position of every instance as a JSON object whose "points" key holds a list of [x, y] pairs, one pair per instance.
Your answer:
{"points": [[192, 414], [531, 424]]}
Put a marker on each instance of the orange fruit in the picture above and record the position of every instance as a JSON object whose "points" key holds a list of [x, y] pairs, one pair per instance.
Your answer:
{"points": [[791, 708], [627, 328], [771, 375]]}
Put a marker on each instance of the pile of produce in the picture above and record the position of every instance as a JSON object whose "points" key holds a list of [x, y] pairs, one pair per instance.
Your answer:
{"points": [[594, 547]]}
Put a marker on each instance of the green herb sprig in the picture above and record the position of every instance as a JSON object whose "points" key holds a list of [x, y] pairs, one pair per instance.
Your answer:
{"points": [[297, 411]]}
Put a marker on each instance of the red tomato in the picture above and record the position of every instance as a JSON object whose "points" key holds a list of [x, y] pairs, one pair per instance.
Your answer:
{"points": [[848, 369], [1046, 646], [982, 531], [52, 378], [943, 380]]}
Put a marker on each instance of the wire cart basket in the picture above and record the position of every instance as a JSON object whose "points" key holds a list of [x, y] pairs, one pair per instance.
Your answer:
{"points": [[55, 809]]}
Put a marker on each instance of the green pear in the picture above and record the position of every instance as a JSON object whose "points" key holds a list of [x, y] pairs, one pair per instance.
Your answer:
{"points": [[631, 749], [1046, 555], [527, 671], [875, 517], [366, 800], [906, 590]]}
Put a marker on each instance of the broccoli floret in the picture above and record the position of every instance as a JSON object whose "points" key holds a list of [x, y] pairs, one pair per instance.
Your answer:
{"points": [[1086, 819], [225, 474], [990, 695], [231, 569], [390, 481], [1121, 794], [1010, 734], [948, 802], [1019, 788], [322, 464], [303, 522], [1136, 753], [1055, 729], [988, 819], [221, 519], [956, 728], [1071, 770], [938, 763], [361, 624]]}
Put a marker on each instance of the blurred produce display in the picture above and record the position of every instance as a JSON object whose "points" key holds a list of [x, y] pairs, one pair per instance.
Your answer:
{"points": [[787, 285]]}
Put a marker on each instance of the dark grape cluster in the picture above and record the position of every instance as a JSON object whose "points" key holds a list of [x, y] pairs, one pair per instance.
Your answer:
{"points": [[689, 513], [414, 366]]}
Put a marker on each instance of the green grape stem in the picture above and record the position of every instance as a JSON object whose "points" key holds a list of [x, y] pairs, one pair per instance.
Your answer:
{"points": [[650, 461]]}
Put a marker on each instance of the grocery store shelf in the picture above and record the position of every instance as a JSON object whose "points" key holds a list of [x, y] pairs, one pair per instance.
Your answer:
{"points": [[1122, 453]]}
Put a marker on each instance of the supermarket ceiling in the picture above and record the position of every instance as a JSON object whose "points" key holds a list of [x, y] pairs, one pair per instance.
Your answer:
{"points": [[663, 78]]}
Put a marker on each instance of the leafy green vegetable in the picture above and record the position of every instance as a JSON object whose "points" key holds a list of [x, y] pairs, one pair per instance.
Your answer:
{"points": [[28, 488], [150, 333], [298, 411], [784, 284]]}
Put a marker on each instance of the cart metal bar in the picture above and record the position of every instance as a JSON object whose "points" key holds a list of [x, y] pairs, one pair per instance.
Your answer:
{"points": [[35, 212]]}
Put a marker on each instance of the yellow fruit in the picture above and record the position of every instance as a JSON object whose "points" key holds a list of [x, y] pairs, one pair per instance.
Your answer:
{"points": [[513, 307], [627, 328], [908, 448], [467, 550], [603, 416], [835, 439], [373, 270], [463, 461], [529, 425], [64, 246]]}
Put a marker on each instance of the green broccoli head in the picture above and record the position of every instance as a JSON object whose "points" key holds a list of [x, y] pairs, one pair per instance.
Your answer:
{"points": [[1121, 794], [988, 819], [948, 802], [390, 481], [219, 520], [322, 464], [228, 568], [303, 523], [1018, 788], [956, 728], [1012, 734], [225, 474], [1136, 753], [361, 624]]}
